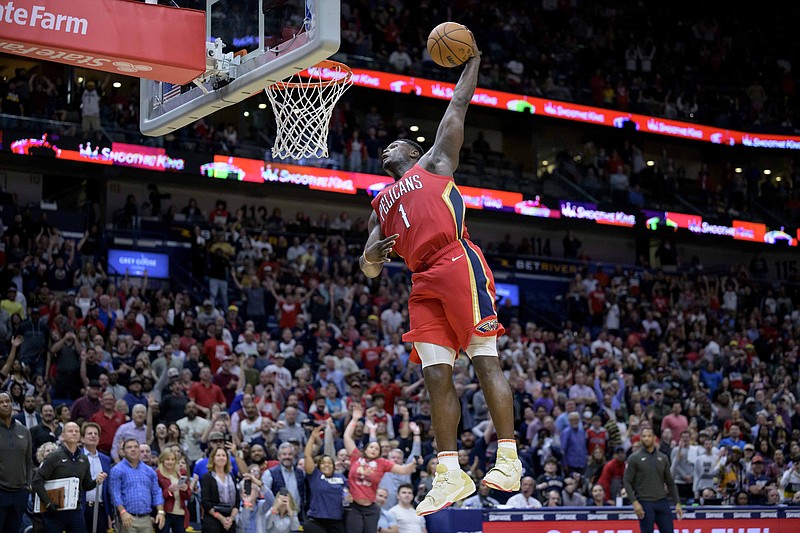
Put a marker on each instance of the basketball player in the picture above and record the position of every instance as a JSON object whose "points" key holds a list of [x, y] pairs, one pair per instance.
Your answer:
{"points": [[452, 302]]}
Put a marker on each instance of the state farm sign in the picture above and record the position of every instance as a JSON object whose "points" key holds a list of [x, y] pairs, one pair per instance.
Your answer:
{"points": [[149, 41]]}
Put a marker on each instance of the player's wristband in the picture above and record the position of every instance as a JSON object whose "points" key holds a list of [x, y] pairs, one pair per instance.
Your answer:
{"points": [[366, 261]]}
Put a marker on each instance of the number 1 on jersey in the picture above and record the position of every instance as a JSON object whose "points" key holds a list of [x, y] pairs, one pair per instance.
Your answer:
{"points": [[404, 215]]}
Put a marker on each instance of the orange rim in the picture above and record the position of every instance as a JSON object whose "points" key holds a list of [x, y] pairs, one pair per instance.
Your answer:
{"points": [[327, 63]]}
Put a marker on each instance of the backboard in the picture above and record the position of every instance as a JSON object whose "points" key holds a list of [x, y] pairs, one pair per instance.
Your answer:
{"points": [[250, 44]]}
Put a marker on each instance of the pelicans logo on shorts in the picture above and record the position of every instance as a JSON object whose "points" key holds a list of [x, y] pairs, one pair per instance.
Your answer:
{"points": [[488, 326]]}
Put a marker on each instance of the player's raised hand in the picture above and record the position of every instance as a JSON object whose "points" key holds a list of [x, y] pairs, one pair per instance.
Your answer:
{"points": [[378, 252], [475, 50]]}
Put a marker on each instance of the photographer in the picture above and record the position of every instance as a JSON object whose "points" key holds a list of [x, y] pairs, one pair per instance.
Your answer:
{"points": [[282, 518], [250, 490]]}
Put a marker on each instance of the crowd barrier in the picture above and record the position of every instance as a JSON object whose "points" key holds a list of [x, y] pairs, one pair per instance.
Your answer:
{"points": [[613, 520]]}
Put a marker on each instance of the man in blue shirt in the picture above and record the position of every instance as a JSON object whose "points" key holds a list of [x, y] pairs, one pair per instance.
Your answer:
{"points": [[734, 438], [387, 522], [573, 445], [135, 491], [217, 439]]}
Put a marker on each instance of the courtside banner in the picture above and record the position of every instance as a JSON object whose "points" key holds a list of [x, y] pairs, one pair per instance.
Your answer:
{"points": [[728, 520], [132, 38], [385, 81]]}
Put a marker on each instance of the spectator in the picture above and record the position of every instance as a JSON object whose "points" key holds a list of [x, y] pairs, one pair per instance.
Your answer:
{"points": [[90, 107], [553, 499], [108, 420], [570, 495], [220, 499], [387, 522], [204, 393], [135, 430], [327, 490], [135, 491], [407, 519], [401, 61], [287, 476], [366, 471], [599, 498], [29, 417], [85, 407], [481, 499], [613, 471], [573, 445], [98, 462], [524, 499], [682, 467], [283, 517], [176, 490], [47, 430]]}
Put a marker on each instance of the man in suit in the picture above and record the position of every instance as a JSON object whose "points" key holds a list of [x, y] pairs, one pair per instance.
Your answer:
{"points": [[28, 417], [98, 462]]}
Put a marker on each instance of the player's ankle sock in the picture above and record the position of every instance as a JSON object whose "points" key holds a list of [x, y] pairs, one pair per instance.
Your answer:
{"points": [[507, 445], [449, 459]]}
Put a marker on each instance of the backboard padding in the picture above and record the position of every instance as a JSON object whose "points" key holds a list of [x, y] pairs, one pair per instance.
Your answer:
{"points": [[263, 65]]}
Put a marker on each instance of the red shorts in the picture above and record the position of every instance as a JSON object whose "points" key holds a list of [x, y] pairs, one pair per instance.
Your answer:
{"points": [[453, 299]]}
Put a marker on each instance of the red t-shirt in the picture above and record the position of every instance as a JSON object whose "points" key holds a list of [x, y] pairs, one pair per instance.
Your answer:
{"points": [[597, 299], [389, 392], [214, 350], [289, 312], [365, 476], [371, 358], [108, 428], [206, 396]]}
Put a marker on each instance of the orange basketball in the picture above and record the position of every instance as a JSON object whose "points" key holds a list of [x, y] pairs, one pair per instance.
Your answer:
{"points": [[450, 44]]}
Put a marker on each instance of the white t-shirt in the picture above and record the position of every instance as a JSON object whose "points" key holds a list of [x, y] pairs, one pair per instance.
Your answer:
{"points": [[519, 501], [407, 519], [188, 430], [249, 429], [283, 377]]}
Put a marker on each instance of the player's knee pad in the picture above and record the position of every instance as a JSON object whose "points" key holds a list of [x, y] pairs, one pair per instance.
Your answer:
{"points": [[434, 354], [486, 346]]}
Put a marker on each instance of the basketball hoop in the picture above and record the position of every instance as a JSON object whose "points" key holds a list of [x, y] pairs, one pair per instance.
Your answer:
{"points": [[303, 105]]}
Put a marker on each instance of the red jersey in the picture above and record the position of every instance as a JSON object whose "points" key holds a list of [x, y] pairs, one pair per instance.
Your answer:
{"points": [[426, 210], [365, 475]]}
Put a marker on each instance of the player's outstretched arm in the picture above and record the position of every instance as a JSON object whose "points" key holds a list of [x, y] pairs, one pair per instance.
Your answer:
{"points": [[377, 250], [442, 158]]}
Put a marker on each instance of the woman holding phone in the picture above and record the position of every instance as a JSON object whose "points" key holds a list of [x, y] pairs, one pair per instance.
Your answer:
{"points": [[177, 491], [282, 518]]}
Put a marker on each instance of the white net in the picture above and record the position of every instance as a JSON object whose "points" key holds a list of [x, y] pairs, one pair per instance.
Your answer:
{"points": [[303, 105]]}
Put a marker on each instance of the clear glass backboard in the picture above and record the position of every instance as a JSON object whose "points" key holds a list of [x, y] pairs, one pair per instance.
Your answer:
{"points": [[250, 44]]}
